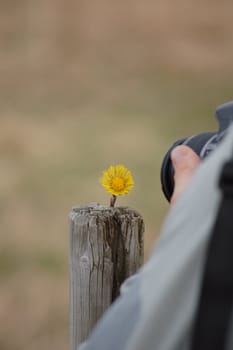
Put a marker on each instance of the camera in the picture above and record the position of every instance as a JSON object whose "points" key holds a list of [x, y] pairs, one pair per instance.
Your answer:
{"points": [[203, 144]]}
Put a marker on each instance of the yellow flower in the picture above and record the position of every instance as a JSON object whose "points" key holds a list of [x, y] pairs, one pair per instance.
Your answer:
{"points": [[117, 180]]}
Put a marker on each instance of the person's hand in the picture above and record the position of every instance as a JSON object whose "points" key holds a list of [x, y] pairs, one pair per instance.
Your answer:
{"points": [[185, 161]]}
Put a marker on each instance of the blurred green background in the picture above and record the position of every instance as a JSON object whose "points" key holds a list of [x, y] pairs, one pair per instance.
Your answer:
{"points": [[83, 85]]}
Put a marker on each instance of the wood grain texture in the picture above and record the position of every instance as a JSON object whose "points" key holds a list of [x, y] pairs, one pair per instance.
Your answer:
{"points": [[106, 247]]}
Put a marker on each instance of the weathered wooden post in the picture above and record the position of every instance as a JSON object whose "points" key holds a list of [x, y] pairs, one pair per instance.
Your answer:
{"points": [[106, 247]]}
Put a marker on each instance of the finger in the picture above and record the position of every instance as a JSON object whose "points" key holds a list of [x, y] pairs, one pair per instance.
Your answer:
{"points": [[185, 161]]}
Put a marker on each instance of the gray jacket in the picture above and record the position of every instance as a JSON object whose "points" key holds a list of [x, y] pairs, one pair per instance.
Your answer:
{"points": [[157, 306]]}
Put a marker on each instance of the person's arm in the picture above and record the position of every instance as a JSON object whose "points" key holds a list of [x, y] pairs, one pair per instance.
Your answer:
{"points": [[157, 310]]}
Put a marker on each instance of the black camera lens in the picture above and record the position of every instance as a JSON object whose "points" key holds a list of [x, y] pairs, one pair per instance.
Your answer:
{"points": [[202, 144]]}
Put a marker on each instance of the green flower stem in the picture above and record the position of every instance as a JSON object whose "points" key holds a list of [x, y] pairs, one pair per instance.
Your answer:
{"points": [[113, 200]]}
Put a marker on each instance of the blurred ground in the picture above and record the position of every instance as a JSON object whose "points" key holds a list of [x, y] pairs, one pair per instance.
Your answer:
{"points": [[85, 85]]}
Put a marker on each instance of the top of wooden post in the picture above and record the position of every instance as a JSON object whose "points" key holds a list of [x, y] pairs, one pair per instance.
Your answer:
{"points": [[96, 207]]}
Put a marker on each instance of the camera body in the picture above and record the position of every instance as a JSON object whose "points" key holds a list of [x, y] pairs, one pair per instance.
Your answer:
{"points": [[203, 144]]}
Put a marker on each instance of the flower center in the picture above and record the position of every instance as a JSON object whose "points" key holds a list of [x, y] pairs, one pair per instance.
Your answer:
{"points": [[118, 183]]}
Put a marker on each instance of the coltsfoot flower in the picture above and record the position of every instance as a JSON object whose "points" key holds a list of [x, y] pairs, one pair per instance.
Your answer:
{"points": [[118, 181]]}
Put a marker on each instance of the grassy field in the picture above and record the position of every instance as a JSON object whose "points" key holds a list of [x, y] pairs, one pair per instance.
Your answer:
{"points": [[84, 86]]}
